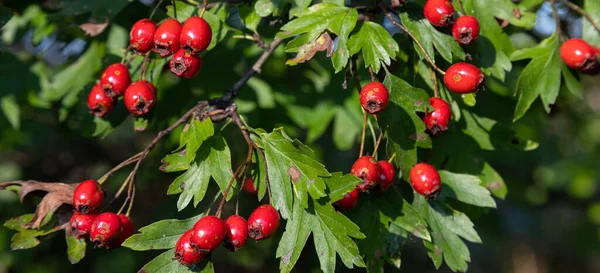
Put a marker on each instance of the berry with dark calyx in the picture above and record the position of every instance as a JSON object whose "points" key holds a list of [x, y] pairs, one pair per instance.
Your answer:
{"points": [[141, 36], [348, 201], [126, 230], [140, 97], [185, 253], [580, 55], [208, 233], [426, 180], [367, 169], [237, 233], [263, 222], [185, 64], [88, 196], [466, 30], [437, 121], [98, 103], [440, 13], [115, 80], [249, 186], [166, 37], [195, 34], [463, 78], [387, 173], [81, 224], [374, 97], [106, 229]]}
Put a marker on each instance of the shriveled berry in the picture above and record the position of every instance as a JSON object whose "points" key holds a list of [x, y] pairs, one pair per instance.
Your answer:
{"points": [[106, 229], [263, 222], [367, 170], [141, 36], [237, 232], [249, 186], [463, 78], [437, 120], [98, 103], [115, 80], [439, 12], [185, 253], [426, 180], [126, 230], [81, 224], [466, 30], [387, 173], [185, 64], [195, 34], [166, 37], [374, 97], [88, 196], [580, 55], [348, 201], [140, 97], [208, 233]]}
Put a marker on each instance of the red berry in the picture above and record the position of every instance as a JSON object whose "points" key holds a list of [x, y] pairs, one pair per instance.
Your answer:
{"points": [[81, 224], [263, 222], [425, 180], [106, 229], [141, 36], [140, 97], [366, 168], [166, 37], [237, 232], [580, 55], [185, 64], [195, 34], [98, 103], [438, 120], [348, 201], [249, 186], [115, 80], [185, 253], [87, 196], [466, 30], [374, 97], [208, 233], [126, 230], [439, 12], [463, 78], [387, 173]]}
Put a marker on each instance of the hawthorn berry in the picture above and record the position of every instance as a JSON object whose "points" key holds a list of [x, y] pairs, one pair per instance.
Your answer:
{"points": [[580, 55], [374, 97], [348, 201], [126, 230], [140, 97], [185, 253], [195, 34], [81, 224], [88, 196], [463, 78], [263, 222], [387, 173], [106, 229], [249, 186], [237, 232], [425, 180], [98, 103], [437, 121], [166, 37], [466, 30], [367, 169], [141, 36], [185, 64], [115, 80], [208, 233], [439, 12]]}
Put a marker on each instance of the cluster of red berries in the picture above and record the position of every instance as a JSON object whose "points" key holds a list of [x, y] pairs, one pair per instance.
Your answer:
{"points": [[580, 55], [107, 230], [211, 231], [441, 13]]}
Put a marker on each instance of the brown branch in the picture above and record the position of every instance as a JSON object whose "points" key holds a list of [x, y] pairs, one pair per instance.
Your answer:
{"points": [[355, 75], [582, 12], [436, 93], [556, 18], [461, 7]]}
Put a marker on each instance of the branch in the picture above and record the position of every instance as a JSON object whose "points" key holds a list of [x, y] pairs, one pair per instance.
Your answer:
{"points": [[582, 12], [556, 18]]}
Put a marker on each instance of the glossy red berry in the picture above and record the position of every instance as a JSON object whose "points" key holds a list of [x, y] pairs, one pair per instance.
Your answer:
{"points": [[249, 186], [195, 34], [463, 78], [88, 196], [185, 253], [81, 224], [466, 30], [425, 180], [263, 222], [580, 55], [185, 64], [237, 232], [98, 103], [374, 97], [387, 173], [208, 233], [126, 230], [437, 121], [141, 36], [106, 229], [367, 169], [166, 37], [140, 97], [439, 12], [115, 80], [348, 201]]}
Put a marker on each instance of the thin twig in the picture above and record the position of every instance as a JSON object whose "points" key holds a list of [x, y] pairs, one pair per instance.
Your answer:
{"points": [[582, 12], [154, 10], [144, 66], [355, 75], [174, 9], [203, 8], [372, 74], [556, 17], [261, 154], [377, 144], [131, 203], [364, 131], [373, 134], [461, 7], [436, 92], [125, 54], [128, 161], [392, 158]]}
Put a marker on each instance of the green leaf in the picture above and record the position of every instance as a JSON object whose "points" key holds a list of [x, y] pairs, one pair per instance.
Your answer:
{"points": [[75, 248], [402, 214], [249, 18], [165, 263], [11, 110], [27, 238], [591, 34], [375, 43], [316, 119], [174, 163], [466, 188], [571, 83], [294, 238], [265, 8], [160, 235], [264, 93], [339, 185], [298, 6], [193, 134], [506, 9]]}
